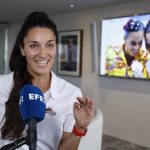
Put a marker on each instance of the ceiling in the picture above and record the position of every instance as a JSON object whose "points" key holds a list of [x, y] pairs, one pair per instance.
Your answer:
{"points": [[13, 10]]}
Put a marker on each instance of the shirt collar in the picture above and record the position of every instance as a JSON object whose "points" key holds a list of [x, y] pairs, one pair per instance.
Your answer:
{"points": [[54, 86]]}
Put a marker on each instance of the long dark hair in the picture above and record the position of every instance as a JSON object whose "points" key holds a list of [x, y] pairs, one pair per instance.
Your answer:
{"points": [[14, 126]]}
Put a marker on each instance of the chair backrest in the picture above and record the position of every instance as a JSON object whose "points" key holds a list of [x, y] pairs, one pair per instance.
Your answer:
{"points": [[93, 138]]}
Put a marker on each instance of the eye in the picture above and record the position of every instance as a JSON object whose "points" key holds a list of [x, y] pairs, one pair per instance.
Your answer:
{"points": [[133, 43], [147, 45], [50, 45], [140, 43], [33, 46]]}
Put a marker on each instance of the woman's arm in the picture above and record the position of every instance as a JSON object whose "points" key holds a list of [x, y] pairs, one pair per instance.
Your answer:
{"points": [[69, 141], [83, 114]]}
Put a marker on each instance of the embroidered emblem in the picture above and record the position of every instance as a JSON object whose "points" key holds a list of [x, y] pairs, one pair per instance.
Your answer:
{"points": [[50, 111]]}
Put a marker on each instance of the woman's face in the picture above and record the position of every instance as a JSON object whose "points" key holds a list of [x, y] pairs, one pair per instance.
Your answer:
{"points": [[133, 43], [39, 50], [147, 41]]}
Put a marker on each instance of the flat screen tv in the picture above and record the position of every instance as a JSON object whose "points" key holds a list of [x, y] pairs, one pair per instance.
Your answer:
{"points": [[123, 51]]}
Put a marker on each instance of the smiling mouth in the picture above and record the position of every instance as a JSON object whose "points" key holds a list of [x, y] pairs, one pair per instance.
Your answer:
{"points": [[42, 62], [134, 51]]}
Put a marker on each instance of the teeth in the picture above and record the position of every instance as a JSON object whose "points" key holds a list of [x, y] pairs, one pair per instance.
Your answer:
{"points": [[41, 61]]}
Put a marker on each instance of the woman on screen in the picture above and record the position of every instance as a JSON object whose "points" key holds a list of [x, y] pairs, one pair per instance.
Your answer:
{"points": [[147, 43], [147, 36], [128, 60]]}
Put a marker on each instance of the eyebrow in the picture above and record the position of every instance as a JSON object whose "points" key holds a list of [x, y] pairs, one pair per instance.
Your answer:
{"points": [[38, 41], [137, 42]]}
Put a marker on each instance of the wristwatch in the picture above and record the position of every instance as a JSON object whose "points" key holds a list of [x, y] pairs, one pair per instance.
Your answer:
{"points": [[79, 133]]}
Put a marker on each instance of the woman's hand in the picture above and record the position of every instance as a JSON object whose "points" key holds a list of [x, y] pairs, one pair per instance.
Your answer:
{"points": [[83, 112]]}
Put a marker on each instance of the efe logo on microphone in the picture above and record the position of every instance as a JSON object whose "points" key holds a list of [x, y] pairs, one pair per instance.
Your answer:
{"points": [[32, 96]]}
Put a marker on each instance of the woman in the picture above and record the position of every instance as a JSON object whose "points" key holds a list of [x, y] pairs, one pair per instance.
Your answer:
{"points": [[147, 36], [31, 61], [129, 59], [147, 43]]}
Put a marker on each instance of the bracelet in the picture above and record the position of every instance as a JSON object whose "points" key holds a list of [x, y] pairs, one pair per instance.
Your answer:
{"points": [[79, 133]]}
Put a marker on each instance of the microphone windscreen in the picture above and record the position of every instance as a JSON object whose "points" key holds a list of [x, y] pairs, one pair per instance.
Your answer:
{"points": [[31, 103]]}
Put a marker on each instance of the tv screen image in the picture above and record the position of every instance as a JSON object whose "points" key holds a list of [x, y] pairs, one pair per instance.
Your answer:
{"points": [[125, 47]]}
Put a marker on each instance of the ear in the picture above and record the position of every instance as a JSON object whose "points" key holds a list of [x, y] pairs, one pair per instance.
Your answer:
{"points": [[22, 51]]}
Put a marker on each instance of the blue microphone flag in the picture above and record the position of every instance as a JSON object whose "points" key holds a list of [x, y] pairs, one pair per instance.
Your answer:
{"points": [[32, 103]]}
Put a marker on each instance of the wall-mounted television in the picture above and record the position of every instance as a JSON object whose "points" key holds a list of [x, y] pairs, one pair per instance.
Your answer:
{"points": [[125, 47]]}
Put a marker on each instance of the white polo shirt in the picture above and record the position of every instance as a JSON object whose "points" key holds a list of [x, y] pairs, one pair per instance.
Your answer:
{"points": [[59, 113]]}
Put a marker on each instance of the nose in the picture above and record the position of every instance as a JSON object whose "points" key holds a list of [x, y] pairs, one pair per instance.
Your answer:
{"points": [[136, 46], [42, 51]]}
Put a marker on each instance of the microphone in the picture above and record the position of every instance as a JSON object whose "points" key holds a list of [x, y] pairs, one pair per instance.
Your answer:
{"points": [[32, 108], [15, 144]]}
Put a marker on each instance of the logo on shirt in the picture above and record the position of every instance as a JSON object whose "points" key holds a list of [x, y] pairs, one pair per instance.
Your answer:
{"points": [[50, 111]]}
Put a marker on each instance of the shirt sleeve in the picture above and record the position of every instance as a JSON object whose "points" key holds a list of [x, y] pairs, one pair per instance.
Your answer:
{"points": [[2, 110], [5, 88]]}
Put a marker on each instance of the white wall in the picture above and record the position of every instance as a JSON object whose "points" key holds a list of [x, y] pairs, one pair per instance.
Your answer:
{"points": [[125, 103]]}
